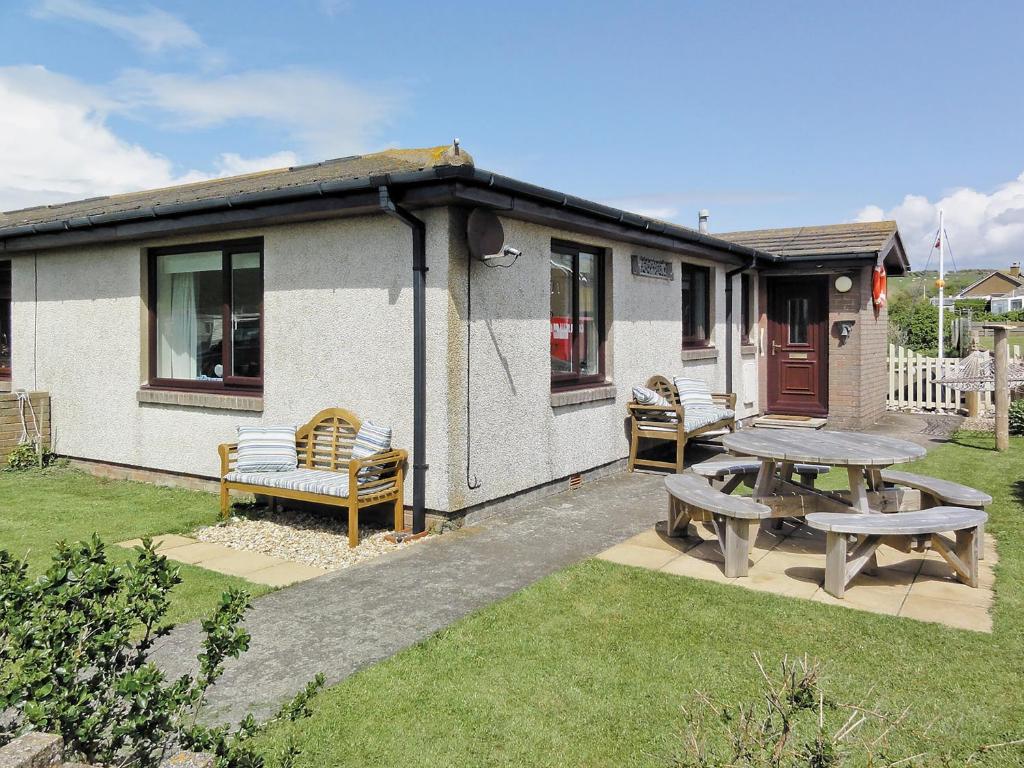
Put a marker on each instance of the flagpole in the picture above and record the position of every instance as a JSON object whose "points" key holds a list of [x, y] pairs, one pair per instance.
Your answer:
{"points": [[941, 282]]}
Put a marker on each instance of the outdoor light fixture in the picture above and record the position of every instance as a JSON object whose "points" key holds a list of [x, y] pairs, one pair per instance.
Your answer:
{"points": [[843, 283], [844, 327]]}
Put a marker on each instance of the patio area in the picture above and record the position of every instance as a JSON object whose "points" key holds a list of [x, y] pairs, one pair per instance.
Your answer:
{"points": [[791, 562]]}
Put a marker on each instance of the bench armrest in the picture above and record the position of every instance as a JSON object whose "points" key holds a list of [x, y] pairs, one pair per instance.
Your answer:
{"points": [[391, 466], [228, 453], [654, 411], [728, 399]]}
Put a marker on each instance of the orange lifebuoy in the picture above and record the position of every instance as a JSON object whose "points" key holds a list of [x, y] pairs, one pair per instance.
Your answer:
{"points": [[878, 286]]}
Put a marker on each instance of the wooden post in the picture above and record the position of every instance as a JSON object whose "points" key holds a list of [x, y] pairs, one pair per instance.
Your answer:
{"points": [[1002, 386]]}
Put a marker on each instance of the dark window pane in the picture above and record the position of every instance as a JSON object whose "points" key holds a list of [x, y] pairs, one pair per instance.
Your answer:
{"points": [[189, 316], [590, 340], [562, 277], [797, 310], [695, 287], [246, 296], [746, 308], [5, 319]]}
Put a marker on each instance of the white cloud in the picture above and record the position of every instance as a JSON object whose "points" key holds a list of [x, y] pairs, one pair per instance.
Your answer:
{"points": [[324, 113], [984, 229], [153, 30], [56, 145]]}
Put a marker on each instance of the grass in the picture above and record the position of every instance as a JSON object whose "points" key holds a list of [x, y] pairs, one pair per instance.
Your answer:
{"points": [[40, 507], [988, 342], [593, 665]]}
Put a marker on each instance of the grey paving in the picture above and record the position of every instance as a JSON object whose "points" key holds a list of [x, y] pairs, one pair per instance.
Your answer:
{"points": [[342, 622]]}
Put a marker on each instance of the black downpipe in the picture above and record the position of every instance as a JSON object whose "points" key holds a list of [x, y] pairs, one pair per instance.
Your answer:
{"points": [[728, 319], [419, 355]]}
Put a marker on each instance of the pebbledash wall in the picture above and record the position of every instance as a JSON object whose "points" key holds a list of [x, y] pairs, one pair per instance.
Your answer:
{"points": [[338, 331]]}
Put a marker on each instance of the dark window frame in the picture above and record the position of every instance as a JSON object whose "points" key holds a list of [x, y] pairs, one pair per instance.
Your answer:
{"points": [[228, 384], [561, 381], [693, 341], [746, 308], [7, 308]]}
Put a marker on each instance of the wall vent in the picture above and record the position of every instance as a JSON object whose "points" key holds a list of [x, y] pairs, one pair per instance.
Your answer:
{"points": [[575, 481]]}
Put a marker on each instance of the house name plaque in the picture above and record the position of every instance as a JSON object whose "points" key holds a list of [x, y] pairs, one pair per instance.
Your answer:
{"points": [[645, 266]]}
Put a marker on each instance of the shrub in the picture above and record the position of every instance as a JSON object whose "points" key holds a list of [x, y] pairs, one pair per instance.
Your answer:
{"points": [[74, 660], [27, 456], [1017, 417]]}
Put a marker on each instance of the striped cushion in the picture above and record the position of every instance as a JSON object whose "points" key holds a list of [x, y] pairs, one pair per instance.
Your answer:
{"points": [[645, 396], [307, 480], [692, 392], [266, 449], [701, 415], [371, 438]]}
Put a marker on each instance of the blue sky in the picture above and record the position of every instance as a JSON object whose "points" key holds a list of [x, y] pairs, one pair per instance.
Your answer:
{"points": [[768, 114]]}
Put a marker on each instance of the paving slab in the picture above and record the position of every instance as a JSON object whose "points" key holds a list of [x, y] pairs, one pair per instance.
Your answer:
{"points": [[349, 619]]}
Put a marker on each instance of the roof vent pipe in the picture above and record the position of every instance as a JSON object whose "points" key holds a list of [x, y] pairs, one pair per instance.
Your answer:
{"points": [[702, 221]]}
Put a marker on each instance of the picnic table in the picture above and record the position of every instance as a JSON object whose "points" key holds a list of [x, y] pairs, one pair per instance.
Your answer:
{"points": [[863, 455]]}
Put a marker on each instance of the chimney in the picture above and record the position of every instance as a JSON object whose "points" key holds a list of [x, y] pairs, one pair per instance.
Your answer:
{"points": [[702, 222], [1015, 269]]}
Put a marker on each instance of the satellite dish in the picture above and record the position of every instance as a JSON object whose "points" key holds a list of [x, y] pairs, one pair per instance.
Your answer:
{"points": [[485, 234]]}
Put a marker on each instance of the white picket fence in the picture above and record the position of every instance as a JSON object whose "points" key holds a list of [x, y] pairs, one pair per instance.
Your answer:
{"points": [[912, 384]]}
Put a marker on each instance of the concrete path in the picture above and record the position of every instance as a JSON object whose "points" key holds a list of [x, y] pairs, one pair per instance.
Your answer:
{"points": [[344, 621]]}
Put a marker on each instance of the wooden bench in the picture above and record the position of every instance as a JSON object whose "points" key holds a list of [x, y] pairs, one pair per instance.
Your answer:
{"points": [[941, 492], [901, 530], [326, 474], [734, 470], [736, 519], [668, 423]]}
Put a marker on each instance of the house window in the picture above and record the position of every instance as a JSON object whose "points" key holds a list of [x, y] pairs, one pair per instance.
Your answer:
{"points": [[696, 305], [206, 316], [746, 308], [577, 315], [5, 319]]}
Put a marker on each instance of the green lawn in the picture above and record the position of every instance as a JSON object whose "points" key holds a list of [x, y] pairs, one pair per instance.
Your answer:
{"points": [[988, 342], [38, 508], [592, 665]]}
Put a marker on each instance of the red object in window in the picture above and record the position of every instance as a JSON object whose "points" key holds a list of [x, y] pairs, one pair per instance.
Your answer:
{"points": [[561, 337], [878, 284]]}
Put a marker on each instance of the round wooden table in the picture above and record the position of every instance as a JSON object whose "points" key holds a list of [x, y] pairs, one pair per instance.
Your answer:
{"points": [[863, 455]]}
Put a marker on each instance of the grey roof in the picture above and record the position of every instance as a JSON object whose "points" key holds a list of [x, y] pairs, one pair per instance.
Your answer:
{"points": [[829, 240], [345, 168]]}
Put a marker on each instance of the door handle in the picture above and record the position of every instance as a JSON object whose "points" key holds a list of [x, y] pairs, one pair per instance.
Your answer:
{"points": [[775, 346]]}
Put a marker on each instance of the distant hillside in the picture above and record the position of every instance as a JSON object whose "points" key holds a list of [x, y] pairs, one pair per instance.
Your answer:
{"points": [[915, 282]]}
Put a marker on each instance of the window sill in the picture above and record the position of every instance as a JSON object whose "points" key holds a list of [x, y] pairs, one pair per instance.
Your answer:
{"points": [[606, 391], [213, 400], [748, 349], [700, 353]]}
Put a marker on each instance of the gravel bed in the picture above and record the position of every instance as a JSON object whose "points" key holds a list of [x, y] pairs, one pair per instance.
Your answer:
{"points": [[316, 540], [979, 424]]}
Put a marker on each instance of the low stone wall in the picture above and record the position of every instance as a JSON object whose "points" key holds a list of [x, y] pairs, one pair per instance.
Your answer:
{"points": [[10, 420], [46, 750]]}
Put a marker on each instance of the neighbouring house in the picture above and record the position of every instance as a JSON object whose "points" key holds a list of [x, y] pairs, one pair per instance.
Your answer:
{"points": [[1003, 290], [159, 321]]}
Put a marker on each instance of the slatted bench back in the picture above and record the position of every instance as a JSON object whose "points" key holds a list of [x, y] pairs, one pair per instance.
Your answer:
{"points": [[665, 388], [326, 441]]}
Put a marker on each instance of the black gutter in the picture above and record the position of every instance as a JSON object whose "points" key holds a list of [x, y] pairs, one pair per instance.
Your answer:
{"points": [[466, 174], [419, 354]]}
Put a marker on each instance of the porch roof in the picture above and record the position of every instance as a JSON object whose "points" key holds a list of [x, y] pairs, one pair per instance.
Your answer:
{"points": [[879, 240]]}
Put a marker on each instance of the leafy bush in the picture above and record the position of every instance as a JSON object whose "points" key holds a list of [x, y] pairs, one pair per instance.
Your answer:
{"points": [[27, 456], [1017, 417], [74, 660]]}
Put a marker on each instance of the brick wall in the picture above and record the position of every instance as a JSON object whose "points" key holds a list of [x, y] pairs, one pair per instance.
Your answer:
{"points": [[10, 420], [857, 373]]}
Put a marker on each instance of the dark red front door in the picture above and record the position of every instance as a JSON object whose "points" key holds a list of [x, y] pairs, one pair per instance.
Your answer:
{"points": [[798, 346]]}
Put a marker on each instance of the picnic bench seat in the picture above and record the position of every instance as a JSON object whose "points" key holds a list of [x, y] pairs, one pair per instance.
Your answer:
{"points": [[943, 492], [736, 469], [736, 519], [675, 422], [901, 529], [326, 473]]}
